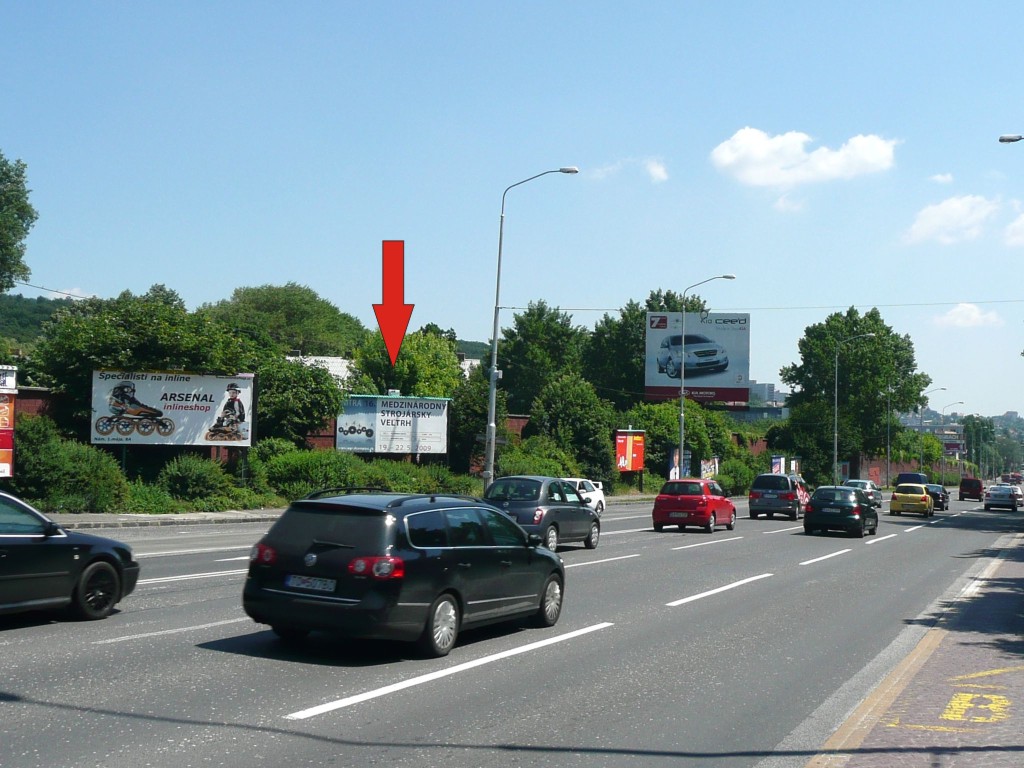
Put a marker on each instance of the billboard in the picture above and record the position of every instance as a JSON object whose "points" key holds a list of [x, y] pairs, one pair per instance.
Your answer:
{"points": [[8, 395], [171, 408], [714, 362], [390, 424], [629, 450]]}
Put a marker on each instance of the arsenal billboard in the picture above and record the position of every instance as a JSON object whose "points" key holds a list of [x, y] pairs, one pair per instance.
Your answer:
{"points": [[713, 362]]}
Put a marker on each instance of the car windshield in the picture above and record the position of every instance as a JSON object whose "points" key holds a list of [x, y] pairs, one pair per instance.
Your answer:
{"points": [[683, 488], [513, 489], [833, 494], [937, 488], [696, 338], [771, 483]]}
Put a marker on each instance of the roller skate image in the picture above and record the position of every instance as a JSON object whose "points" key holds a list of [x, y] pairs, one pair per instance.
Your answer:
{"points": [[131, 415]]}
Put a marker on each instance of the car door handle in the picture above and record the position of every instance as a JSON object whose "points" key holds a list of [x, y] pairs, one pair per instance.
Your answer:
{"points": [[506, 563], [467, 566]]}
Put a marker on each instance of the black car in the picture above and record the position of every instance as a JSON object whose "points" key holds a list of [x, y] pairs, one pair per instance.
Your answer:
{"points": [[44, 567], [548, 506], [939, 494], [840, 508], [391, 566]]}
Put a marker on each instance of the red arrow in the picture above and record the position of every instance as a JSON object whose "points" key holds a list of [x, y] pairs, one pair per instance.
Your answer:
{"points": [[393, 315]]}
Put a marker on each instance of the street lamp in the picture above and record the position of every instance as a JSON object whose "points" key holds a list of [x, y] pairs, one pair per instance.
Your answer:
{"points": [[682, 373], [921, 431], [888, 431], [1009, 138], [942, 476], [492, 397], [835, 405]]}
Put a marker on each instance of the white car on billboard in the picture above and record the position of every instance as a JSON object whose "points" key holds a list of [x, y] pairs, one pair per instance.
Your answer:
{"points": [[700, 355]]}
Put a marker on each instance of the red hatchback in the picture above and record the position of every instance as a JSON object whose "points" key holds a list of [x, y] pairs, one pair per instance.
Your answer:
{"points": [[694, 502]]}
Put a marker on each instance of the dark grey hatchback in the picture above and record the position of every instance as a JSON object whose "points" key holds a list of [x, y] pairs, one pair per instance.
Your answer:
{"points": [[840, 508], [548, 506], [418, 568]]}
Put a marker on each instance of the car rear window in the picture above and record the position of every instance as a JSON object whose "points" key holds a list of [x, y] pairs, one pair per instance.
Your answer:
{"points": [[909, 489], [362, 530], [771, 483], [833, 494], [519, 489], [678, 488]]}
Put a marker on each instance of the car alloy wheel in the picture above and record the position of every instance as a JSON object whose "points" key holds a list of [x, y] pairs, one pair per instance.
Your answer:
{"points": [[731, 525], [550, 602], [595, 534], [710, 527], [551, 538], [442, 629], [97, 591]]}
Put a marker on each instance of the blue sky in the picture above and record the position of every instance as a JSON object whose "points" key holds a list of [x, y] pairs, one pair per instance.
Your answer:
{"points": [[829, 155]]}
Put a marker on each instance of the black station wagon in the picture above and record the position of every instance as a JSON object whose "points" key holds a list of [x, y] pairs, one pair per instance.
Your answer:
{"points": [[418, 568]]}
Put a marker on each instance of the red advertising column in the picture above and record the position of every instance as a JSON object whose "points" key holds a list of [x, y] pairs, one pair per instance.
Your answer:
{"points": [[629, 452], [8, 393]]}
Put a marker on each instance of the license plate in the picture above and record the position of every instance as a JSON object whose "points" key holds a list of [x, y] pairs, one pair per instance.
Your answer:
{"points": [[771, 495], [309, 582], [833, 510], [678, 514]]}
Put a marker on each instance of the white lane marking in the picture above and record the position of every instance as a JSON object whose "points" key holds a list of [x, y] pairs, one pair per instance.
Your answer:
{"points": [[630, 517], [630, 530], [908, 530], [232, 559], [826, 557], [169, 631], [394, 688], [783, 530], [710, 592], [876, 539], [606, 560], [190, 551], [187, 576], [705, 543]]}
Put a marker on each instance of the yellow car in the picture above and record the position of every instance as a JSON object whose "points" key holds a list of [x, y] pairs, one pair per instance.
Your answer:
{"points": [[911, 497]]}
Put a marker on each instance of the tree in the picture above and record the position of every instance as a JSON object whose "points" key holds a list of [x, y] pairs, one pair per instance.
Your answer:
{"points": [[135, 333], [16, 219], [542, 344], [467, 419], [614, 356], [294, 316], [877, 376], [294, 399], [427, 366], [568, 411]]}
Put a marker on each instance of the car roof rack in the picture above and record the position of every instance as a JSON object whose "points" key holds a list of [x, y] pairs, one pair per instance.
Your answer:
{"points": [[417, 496], [344, 491]]}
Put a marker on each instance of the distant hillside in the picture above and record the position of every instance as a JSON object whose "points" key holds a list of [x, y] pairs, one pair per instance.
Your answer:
{"points": [[474, 350], [21, 319]]}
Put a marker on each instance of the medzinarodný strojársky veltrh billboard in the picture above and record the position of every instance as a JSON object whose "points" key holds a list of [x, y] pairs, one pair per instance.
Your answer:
{"points": [[715, 360], [388, 424], [171, 408]]}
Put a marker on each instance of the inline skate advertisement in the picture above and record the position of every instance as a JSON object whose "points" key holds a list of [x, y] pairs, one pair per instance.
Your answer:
{"points": [[386, 424], [171, 408]]}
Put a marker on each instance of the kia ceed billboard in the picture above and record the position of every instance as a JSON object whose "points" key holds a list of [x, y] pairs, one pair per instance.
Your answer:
{"points": [[712, 361]]}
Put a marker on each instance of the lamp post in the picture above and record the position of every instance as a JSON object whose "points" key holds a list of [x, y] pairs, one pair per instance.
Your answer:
{"points": [[492, 395], [888, 431], [921, 431], [835, 405], [1010, 138], [942, 476], [682, 372]]}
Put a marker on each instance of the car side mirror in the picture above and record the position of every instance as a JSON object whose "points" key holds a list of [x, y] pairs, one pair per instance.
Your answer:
{"points": [[534, 540], [51, 529]]}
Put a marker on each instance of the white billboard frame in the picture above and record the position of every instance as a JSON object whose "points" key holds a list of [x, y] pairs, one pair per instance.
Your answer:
{"points": [[393, 424]]}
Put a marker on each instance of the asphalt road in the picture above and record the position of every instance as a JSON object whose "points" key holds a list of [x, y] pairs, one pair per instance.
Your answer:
{"points": [[739, 648]]}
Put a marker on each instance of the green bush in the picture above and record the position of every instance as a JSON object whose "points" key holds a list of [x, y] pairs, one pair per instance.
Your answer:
{"points": [[190, 478], [298, 473], [149, 499], [63, 475], [735, 477], [537, 455], [265, 450]]}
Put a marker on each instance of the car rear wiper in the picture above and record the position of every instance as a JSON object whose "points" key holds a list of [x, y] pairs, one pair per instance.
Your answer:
{"points": [[337, 544]]}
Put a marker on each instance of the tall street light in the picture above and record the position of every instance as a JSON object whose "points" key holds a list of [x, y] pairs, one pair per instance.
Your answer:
{"points": [[682, 374], [942, 477], [492, 397], [1009, 138], [888, 430], [937, 389], [835, 405]]}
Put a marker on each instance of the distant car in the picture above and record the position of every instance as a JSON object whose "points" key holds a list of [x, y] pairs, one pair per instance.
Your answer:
{"points": [[693, 502], [1018, 493], [869, 487], [971, 488], [1001, 496], [840, 508], [783, 494], [911, 497], [548, 506], [398, 566], [44, 567], [700, 355], [592, 492], [940, 496], [911, 477]]}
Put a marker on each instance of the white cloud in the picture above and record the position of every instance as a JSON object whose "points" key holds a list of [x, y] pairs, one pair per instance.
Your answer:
{"points": [[656, 170], [967, 316], [1014, 234], [942, 178], [954, 220], [757, 159]]}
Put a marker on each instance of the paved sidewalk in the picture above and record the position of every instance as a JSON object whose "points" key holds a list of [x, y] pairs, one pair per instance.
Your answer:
{"points": [[957, 700]]}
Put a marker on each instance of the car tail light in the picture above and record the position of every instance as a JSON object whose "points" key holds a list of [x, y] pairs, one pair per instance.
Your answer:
{"points": [[755, 494], [382, 568], [856, 511], [924, 499], [538, 515], [788, 496], [263, 554], [808, 507]]}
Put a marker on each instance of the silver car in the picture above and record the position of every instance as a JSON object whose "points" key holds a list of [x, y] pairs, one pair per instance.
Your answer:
{"points": [[869, 487], [1001, 496], [701, 355]]}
